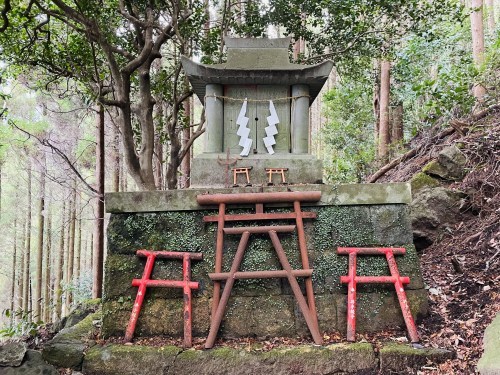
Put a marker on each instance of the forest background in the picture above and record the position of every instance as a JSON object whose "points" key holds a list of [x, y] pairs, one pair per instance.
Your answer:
{"points": [[94, 100]]}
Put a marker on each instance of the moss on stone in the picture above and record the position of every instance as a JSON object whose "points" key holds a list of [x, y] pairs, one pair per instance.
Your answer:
{"points": [[422, 180], [386, 225]]}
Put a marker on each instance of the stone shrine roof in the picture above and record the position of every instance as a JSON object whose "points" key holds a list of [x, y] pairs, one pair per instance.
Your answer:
{"points": [[257, 61]]}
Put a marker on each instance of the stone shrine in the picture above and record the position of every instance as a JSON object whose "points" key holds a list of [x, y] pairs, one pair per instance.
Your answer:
{"points": [[257, 110], [257, 106]]}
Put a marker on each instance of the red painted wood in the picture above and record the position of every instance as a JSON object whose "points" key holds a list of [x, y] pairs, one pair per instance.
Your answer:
{"points": [[261, 216], [185, 284], [249, 198], [259, 274], [352, 280]]}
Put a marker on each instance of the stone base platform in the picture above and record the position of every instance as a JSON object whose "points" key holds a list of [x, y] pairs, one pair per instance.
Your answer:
{"points": [[364, 215], [358, 358], [306, 169]]}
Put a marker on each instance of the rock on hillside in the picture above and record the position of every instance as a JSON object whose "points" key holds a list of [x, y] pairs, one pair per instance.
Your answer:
{"points": [[456, 221]]}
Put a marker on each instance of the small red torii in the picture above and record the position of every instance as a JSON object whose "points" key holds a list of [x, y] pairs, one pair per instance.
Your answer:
{"points": [[186, 284]]}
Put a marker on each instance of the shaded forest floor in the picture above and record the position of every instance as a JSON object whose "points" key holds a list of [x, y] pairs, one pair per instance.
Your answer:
{"points": [[462, 268]]}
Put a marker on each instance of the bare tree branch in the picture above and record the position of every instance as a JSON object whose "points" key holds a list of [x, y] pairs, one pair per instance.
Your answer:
{"points": [[5, 10], [59, 152]]}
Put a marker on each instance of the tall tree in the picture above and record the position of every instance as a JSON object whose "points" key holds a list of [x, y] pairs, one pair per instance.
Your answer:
{"points": [[98, 255], [384, 124], [70, 263], [47, 268], [110, 49], [27, 250], [39, 255], [58, 284], [476, 20], [490, 13], [14, 267]]}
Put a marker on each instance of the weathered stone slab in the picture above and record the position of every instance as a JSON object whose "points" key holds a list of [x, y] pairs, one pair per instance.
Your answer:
{"points": [[185, 199], [333, 359], [158, 317], [12, 353], [379, 311], [129, 360], [489, 364], [33, 364], [67, 348], [403, 359], [206, 172]]}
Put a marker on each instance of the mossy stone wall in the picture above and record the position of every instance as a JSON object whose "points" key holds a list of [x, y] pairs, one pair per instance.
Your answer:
{"points": [[259, 307]]}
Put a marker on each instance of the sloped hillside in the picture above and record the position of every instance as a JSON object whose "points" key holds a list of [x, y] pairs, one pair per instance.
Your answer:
{"points": [[455, 177]]}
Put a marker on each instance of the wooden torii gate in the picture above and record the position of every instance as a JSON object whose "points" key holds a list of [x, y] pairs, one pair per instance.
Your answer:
{"points": [[307, 306]]}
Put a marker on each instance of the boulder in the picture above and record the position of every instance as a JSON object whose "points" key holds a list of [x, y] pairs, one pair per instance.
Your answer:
{"points": [[12, 353], [449, 165], [67, 348], [33, 364], [81, 311], [432, 211]]}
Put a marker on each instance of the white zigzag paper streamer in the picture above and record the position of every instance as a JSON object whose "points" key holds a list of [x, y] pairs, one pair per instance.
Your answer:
{"points": [[271, 130], [243, 131]]}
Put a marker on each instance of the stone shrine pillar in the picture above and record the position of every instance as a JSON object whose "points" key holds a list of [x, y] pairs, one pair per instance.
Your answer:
{"points": [[214, 112], [300, 119]]}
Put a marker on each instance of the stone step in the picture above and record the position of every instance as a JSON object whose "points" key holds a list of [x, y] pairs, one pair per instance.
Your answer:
{"points": [[356, 358]]}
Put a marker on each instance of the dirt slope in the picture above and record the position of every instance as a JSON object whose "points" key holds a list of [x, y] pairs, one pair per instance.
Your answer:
{"points": [[462, 267]]}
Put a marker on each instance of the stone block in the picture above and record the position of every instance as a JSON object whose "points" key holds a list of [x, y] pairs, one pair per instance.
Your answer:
{"points": [[157, 317], [326, 306], [259, 316], [302, 169], [332, 359], [185, 199], [392, 225], [404, 359], [129, 360], [379, 311]]}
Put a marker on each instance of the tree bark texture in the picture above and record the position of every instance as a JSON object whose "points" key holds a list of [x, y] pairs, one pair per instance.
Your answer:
{"points": [[58, 283], [186, 136], [39, 254], [14, 266], [384, 129], [27, 250], [20, 276], [78, 249], [397, 123], [71, 246], [116, 159], [490, 13], [376, 100], [98, 263], [47, 269], [476, 19]]}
